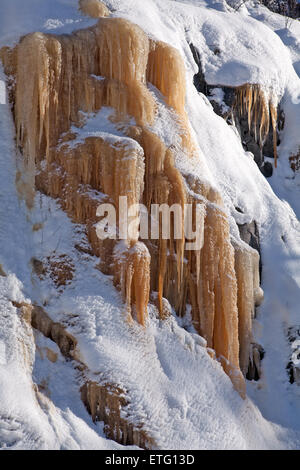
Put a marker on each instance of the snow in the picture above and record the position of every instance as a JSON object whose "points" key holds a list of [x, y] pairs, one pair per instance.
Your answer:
{"points": [[21, 17], [181, 394], [109, 132]]}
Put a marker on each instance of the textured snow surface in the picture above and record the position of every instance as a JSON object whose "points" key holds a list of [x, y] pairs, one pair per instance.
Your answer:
{"points": [[182, 395]]}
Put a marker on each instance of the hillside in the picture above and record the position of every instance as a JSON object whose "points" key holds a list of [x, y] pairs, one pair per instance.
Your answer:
{"points": [[140, 342]]}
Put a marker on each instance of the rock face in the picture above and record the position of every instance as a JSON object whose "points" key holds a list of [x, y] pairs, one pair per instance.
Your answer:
{"points": [[256, 356], [239, 107], [295, 162], [256, 113], [106, 403], [267, 169]]}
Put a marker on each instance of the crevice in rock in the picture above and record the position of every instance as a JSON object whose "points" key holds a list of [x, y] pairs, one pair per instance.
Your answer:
{"points": [[199, 78], [40, 320]]}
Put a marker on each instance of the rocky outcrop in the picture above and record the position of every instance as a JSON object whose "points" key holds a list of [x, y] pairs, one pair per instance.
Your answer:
{"points": [[249, 234], [40, 320], [256, 356], [253, 113], [105, 401], [295, 162]]}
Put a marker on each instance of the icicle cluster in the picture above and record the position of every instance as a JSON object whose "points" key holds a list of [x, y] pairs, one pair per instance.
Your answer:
{"points": [[63, 70], [261, 111], [217, 280]]}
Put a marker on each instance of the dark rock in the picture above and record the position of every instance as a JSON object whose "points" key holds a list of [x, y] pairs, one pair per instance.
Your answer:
{"points": [[254, 369], [232, 116], [249, 140], [254, 148], [249, 234], [268, 148], [293, 368], [267, 169], [229, 96], [199, 79]]}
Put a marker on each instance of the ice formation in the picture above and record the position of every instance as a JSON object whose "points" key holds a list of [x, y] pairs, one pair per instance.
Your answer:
{"points": [[261, 110], [93, 8], [220, 281]]}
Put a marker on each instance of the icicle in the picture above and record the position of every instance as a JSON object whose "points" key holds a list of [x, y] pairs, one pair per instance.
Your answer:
{"points": [[252, 100], [132, 265], [61, 84]]}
